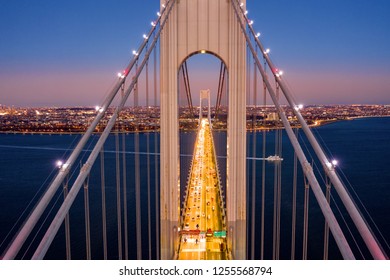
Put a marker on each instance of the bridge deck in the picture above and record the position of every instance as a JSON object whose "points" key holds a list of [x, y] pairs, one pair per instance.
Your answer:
{"points": [[203, 235]]}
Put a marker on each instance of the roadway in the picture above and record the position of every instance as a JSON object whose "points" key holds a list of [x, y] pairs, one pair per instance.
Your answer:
{"points": [[203, 232]]}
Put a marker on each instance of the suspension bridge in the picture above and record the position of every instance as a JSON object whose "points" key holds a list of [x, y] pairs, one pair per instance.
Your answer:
{"points": [[155, 213]]}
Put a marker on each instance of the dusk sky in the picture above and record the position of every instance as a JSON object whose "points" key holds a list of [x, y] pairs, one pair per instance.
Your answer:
{"points": [[67, 52]]}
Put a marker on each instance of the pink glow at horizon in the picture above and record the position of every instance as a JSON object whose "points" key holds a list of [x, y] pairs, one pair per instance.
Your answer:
{"points": [[88, 88], [330, 51]]}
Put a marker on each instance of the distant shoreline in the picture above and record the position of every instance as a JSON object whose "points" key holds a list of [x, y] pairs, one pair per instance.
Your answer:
{"points": [[321, 123]]}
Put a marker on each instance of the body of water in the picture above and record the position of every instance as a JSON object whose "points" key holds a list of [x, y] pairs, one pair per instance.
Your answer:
{"points": [[27, 165]]}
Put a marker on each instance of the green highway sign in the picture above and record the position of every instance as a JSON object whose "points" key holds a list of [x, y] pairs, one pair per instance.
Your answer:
{"points": [[220, 233]]}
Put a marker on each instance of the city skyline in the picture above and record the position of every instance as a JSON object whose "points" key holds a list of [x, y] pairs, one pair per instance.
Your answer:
{"points": [[68, 53]]}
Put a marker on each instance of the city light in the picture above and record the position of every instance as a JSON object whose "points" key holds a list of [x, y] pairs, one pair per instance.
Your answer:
{"points": [[267, 51], [135, 53], [145, 36], [153, 23], [62, 165], [258, 35], [250, 22], [158, 14], [331, 165], [298, 107], [99, 109], [62, 120], [279, 73]]}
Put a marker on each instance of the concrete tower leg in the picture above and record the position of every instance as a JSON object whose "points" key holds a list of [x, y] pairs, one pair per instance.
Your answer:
{"points": [[169, 140]]}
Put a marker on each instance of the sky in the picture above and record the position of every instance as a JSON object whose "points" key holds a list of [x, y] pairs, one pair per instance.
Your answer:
{"points": [[67, 52]]}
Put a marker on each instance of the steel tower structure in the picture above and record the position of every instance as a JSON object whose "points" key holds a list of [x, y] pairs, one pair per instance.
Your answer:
{"points": [[200, 26]]}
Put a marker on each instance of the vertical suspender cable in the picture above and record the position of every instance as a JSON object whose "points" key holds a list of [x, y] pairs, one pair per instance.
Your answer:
{"points": [[274, 231], [305, 219], [263, 170], [87, 220], [185, 83], [67, 223], [294, 203], [248, 79], [253, 237], [248, 101], [124, 179], [103, 188], [148, 167], [219, 92], [276, 221], [187, 86], [279, 186], [326, 229], [156, 165], [118, 195], [221, 85], [137, 183], [183, 68], [124, 176], [255, 94]]}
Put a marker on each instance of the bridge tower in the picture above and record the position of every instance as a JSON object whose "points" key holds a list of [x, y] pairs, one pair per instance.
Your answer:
{"points": [[203, 26], [205, 94]]}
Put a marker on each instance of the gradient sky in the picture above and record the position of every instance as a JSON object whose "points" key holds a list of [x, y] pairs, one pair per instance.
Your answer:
{"points": [[67, 52]]}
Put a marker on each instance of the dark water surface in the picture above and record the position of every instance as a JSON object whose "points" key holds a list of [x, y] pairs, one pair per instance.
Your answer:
{"points": [[361, 147]]}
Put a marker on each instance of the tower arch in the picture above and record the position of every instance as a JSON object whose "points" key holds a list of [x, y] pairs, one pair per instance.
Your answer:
{"points": [[203, 51]]}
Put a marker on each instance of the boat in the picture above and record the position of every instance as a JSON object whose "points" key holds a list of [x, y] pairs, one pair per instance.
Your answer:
{"points": [[274, 158]]}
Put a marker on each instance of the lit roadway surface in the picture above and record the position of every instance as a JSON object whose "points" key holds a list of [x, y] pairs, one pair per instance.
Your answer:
{"points": [[202, 235]]}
